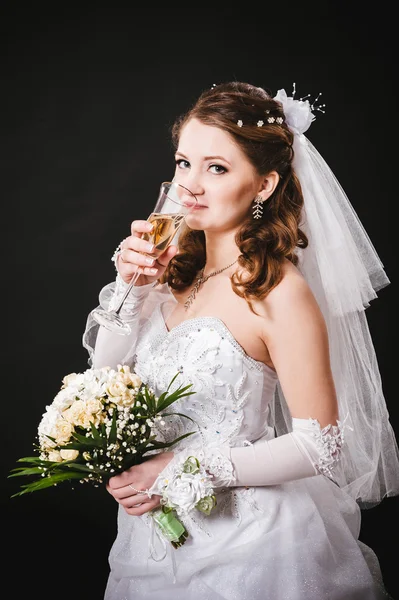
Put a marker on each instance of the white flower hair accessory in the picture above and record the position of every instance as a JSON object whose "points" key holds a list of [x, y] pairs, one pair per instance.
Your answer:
{"points": [[298, 113]]}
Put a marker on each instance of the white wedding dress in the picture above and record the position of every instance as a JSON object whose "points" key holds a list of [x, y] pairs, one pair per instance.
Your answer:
{"points": [[294, 541]]}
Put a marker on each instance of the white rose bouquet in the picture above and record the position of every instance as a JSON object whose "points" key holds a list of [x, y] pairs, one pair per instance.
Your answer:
{"points": [[101, 422], [104, 421]]}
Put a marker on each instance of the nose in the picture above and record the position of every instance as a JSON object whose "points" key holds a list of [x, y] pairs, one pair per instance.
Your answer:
{"points": [[191, 180]]}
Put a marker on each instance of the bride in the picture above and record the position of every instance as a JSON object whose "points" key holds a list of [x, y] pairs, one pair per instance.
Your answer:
{"points": [[260, 306]]}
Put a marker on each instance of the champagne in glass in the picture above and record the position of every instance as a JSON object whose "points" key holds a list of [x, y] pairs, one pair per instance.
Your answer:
{"points": [[174, 202], [165, 227]]}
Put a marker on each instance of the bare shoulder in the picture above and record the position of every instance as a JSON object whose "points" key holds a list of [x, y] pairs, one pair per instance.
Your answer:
{"points": [[291, 303], [293, 288], [295, 333]]}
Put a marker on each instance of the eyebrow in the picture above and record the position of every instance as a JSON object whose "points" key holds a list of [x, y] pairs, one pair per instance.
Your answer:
{"points": [[206, 157]]}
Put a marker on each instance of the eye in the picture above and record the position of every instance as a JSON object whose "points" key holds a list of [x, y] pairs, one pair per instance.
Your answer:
{"points": [[182, 164], [218, 169]]}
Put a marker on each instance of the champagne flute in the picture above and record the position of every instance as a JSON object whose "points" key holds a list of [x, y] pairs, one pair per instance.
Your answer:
{"points": [[174, 202]]}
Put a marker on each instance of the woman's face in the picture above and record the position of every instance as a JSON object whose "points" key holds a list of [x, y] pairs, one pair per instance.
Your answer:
{"points": [[215, 169]]}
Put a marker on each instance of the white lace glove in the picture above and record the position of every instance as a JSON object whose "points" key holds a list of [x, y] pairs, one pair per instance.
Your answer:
{"points": [[110, 348], [306, 451]]}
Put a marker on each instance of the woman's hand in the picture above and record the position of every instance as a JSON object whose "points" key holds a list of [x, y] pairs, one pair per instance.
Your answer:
{"points": [[132, 257], [140, 477]]}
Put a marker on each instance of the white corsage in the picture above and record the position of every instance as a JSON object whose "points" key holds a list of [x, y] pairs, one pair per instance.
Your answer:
{"points": [[187, 487], [184, 486]]}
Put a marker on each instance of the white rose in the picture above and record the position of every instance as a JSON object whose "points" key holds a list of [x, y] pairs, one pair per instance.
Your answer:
{"points": [[76, 414], [94, 407], [62, 431], [46, 445], [128, 378], [135, 380], [183, 492], [124, 378], [54, 456], [126, 400], [123, 368], [116, 389], [69, 454], [69, 379]]}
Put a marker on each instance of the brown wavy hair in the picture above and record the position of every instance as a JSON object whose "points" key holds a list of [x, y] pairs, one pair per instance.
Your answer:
{"points": [[263, 243]]}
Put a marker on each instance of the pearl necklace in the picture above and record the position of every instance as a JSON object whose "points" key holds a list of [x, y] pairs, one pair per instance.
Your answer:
{"points": [[201, 279]]}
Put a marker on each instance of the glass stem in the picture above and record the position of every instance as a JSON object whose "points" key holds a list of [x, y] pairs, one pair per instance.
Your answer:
{"points": [[127, 291]]}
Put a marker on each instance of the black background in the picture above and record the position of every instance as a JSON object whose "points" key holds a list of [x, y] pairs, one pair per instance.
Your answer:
{"points": [[87, 100]]}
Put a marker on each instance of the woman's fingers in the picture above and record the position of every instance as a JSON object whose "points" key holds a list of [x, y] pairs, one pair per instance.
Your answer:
{"points": [[127, 270], [131, 261], [136, 258], [134, 503], [141, 509], [139, 227], [137, 254], [137, 244], [125, 492]]}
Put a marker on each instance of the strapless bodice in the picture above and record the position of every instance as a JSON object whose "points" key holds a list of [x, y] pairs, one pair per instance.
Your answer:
{"points": [[233, 391]]}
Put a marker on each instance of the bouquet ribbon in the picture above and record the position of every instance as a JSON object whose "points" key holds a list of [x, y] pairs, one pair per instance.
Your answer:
{"points": [[171, 527]]}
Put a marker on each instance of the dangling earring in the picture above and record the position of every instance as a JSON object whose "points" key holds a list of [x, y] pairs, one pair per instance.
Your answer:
{"points": [[258, 207]]}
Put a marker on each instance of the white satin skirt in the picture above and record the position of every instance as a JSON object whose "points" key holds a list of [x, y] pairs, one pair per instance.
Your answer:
{"points": [[295, 541]]}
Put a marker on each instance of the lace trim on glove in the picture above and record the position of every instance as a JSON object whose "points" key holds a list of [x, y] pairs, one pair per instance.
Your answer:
{"points": [[218, 465], [329, 442], [134, 301]]}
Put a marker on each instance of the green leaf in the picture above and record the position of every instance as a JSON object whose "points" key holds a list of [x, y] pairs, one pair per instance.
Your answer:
{"points": [[112, 434], [32, 459], [165, 401], [97, 435], [150, 401], [46, 482], [54, 468], [84, 441], [158, 445], [179, 415], [165, 393], [68, 466], [25, 472], [172, 381], [35, 463]]}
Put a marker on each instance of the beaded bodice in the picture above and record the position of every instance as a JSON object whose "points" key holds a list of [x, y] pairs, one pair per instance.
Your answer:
{"points": [[232, 390]]}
